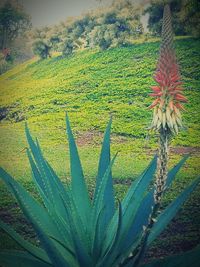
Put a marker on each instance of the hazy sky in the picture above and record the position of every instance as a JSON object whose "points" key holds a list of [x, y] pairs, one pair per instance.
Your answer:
{"points": [[48, 12]]}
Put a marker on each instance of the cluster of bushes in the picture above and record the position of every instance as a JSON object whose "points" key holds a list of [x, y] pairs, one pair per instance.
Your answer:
{"points": [[102, 28], [115, 26]]}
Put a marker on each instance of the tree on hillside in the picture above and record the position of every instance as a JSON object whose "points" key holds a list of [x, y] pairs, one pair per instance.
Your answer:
{"points": [[190, 16], [185, 16], [105, 43], [41, 49], [13, 23], [54, 41], [111, 30], [155, 11], [68, 47]]}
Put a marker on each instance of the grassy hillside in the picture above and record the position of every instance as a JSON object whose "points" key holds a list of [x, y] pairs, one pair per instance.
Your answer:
{"points": [[114, 82], [91, 86]]}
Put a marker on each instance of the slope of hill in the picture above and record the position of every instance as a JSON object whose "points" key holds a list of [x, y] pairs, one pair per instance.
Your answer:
{"points": [[91, 86]]}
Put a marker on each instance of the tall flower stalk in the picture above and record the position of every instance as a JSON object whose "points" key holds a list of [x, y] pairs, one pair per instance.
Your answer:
{"points": [[168, 100], [166, 115]]}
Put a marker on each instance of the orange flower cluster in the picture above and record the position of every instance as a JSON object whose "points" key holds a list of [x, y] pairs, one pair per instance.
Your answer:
{"points": [[168, 92]]}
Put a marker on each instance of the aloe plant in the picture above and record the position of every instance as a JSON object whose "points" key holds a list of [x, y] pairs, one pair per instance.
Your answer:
{"points": [[75, 230]]}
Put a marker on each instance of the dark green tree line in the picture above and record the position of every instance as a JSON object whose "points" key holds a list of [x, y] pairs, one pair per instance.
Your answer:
{"points": [[185, 16]]}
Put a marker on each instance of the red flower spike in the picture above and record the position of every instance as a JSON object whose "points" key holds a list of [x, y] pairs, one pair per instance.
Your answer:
{"points": [[168, 92]]}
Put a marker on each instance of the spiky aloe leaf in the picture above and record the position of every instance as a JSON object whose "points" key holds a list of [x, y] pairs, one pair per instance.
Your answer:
{"points": [[99, 202], [168, 214], [99, 236], [56, 213], [29, 203], [46, 180], [20, 259], [138, 189], [111, 253], [78, 228], [79, 188], [186, 259], [172, 173], [50, 188], [131, 202], [140, 220], [80, 253], [79, 236], [37, 178], [104, 162], [36, 252], [40, 220]]}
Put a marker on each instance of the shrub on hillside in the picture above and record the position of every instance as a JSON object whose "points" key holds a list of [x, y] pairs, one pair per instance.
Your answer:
{"points": [[104, 43], [101, 28], [68, 47], [41, 49], [107, 35], [54, 41]]}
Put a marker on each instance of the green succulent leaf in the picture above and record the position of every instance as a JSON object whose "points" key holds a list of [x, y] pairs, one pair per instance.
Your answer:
{"points": [[79, 189], [40, 220], [131, 203], [172, 173], [136, 193], [99, 236], [141, 220], [37, 178], [20, 259], [99, 203], [168, 214], [109, 258], [28, 204], [33, 250], [104, 163], [79, 238], [58, 212], [47, 182], [63, 245], [186, 259]]}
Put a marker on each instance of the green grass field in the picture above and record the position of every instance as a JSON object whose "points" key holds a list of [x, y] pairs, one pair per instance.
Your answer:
{"points": [[91, 86]]}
